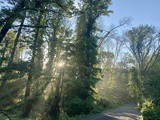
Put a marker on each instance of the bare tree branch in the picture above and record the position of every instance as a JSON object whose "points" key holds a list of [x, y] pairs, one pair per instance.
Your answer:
{"points": [[121, 23]]}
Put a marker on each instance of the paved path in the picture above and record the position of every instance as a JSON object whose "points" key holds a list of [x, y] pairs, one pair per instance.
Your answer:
{"points": [[125, 112]]}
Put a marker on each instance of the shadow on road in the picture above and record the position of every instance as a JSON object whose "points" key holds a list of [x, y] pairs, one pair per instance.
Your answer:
{"points": [[125, 112]]}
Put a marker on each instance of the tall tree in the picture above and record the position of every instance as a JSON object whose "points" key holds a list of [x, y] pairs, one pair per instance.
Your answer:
{"points": [[144, 44], [13, 15], [9, 70], [85, 71], [31, 71]]}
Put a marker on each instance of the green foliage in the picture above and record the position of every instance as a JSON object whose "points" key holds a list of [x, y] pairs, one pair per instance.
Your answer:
{"points": [[78, 106], [144, 80], [144, 45], [134, 84], [104, 103], [47, 39], [22, 66], [150, 111], [151, 106], [80, 98]]}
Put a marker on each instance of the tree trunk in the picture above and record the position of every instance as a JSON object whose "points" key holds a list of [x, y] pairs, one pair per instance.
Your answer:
{"points": [[6, 27], [39, 63], [53, 43], [16, 41], [3, 53], [13, 17], [28, 105], [54, 111], [12, 56]]}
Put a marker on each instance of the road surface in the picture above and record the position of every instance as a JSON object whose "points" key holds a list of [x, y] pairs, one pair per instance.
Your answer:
{"points": [[125, 112]]}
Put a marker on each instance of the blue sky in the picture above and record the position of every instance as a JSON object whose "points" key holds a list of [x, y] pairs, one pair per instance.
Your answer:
{"points": [[141, 12]]}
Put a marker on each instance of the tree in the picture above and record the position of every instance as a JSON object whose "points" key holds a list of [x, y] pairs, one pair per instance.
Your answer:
{"points": [[145, 47], [31, 71], [144, 44], [12, 56], [13, 15], [85, 71], [6, 47], [134, 84], [108, 33]]}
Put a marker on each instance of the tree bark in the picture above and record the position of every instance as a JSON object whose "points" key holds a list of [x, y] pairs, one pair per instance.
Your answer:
{"points": [[12, 55], [15, 15], [28, 105], [3, 53], [54, 111]]}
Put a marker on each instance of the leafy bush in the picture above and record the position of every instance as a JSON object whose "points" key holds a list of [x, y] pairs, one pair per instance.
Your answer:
{"points": [[103, 102], [150, 111], [151, 106], [78, 106], [151, 114]]}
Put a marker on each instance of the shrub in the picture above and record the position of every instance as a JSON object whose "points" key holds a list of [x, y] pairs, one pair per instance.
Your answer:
{"points": [[150, 111]]}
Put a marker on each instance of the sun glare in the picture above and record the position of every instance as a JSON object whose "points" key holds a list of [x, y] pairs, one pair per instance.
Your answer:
{"points": [[60, 64]]}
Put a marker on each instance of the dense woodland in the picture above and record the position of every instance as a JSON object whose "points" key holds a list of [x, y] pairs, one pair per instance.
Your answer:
{"points": [[57, 61]]}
